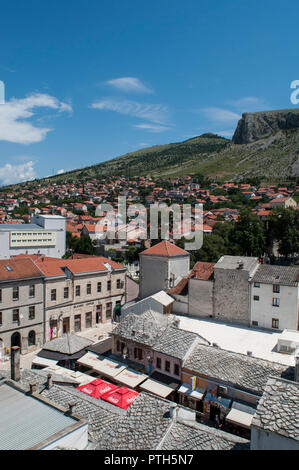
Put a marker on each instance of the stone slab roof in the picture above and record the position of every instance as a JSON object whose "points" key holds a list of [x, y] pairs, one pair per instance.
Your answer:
{"points": [[283, 275], [67, 344], [175, 342], [187, 436], [278, 409], [245, 372]]}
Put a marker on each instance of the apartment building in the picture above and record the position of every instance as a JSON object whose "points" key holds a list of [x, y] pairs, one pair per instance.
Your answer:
{"points": [[80, 293], [45, 234], [274, 297], [21, 305]]}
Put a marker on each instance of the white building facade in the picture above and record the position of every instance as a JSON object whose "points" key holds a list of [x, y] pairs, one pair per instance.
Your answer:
{"points": [[46, 234]]}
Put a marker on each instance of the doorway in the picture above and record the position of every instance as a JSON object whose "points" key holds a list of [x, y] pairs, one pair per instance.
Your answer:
{"points": [[16, 340], [66, 325]]}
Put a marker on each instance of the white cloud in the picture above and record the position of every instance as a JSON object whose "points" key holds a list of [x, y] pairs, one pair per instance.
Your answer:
{"points": [[59, 172], [153, 112], [152, 127], [220, 115], [227, 133], [249, 104], [129, 84], [10, 174], [13, 114]]}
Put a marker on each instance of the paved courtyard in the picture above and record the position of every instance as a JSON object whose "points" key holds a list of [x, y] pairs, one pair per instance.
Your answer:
{"points": [[238, 338]]}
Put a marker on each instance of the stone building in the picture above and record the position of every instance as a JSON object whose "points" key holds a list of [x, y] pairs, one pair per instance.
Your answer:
{"points": [[80, 293], [21, 305], [275, 424], [161, 267], [231, 288]]}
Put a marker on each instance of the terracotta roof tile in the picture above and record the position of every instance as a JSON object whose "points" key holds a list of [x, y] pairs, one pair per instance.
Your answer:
{"points": [[165, 248]]}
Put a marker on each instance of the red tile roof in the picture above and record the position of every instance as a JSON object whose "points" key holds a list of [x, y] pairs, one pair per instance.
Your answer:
{"points": [[165, 248], [53, 266], [13, 268]]}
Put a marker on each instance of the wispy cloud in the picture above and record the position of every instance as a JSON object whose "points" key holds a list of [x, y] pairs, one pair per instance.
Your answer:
{"points": [[249, 104], [220, 115], [152, 127], [10, 174], [227, 133], [153, 112], [129, 84], [14, 113]]}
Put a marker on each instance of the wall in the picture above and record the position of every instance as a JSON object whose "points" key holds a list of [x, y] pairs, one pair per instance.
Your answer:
{"points": [[263, 311], [266, 440], [172, 361], [25, 325], [77, 439], [201, 298], [80, 305], [231, 299], [156, 272]]}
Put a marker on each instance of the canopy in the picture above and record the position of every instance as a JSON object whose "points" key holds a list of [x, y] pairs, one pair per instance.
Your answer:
{"points": [[122, 397], [79, 377], [131, 377], [187, 390], [97, 388], [42, 361], [103, 365], [160, 385], [241, 418]]}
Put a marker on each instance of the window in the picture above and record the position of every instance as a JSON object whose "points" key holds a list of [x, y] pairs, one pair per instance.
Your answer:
{"points": [[88, 320], [78, 290], [32, 290], [275, 302], [117, 345], [275, 323], [0, 295], [108, 310], [88, 289], [138, 354], [15, 293], [77, 323], [255, 323], [99, 287], [15, 316], [176, 369], [256, 297], [66, 293], [0, 318], [167, 366], [32, 312], [158, 363], [53, 294], [256, 284], [118, 284], [276, 288], [31, 338], [108, 285]]}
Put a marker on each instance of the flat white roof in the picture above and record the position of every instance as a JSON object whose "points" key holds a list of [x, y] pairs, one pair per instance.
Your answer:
{"points": [[131, 377], [290, 335], [237, 338], [239, 417]]}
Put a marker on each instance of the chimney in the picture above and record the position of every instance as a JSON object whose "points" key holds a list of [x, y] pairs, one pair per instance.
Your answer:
{"points": [[49, 381], [33, 387], [72, 405], [296, 365], [15, 363]]}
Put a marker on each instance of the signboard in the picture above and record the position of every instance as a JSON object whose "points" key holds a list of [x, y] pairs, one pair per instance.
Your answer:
{"points": [[193, 382]]}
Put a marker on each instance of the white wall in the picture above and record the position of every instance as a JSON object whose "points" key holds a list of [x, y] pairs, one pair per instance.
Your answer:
{"points": [[77, 439], [263, 311], [266, 440]]}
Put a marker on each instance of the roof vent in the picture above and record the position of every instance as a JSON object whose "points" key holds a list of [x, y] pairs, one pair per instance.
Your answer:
{"points": [[8, 268], [249, 353], [215, 345], [240, 265]]}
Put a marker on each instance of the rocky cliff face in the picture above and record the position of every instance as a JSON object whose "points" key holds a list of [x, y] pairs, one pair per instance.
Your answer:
{"points": [[255, 126]]}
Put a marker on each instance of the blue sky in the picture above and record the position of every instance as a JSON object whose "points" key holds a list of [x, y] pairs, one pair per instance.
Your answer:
{"points": [[86, 81]]}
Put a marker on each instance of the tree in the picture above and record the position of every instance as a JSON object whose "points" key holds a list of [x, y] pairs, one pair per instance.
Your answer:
{"points": [[283, 226], [249, 234]]}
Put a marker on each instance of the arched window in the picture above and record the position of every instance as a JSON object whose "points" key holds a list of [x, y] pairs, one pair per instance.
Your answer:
{"points": [[16, 339], [31, 338]]}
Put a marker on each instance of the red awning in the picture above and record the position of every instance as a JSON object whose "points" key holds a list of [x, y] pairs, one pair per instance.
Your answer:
{"points": [[97, 388], [123, 397]]}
